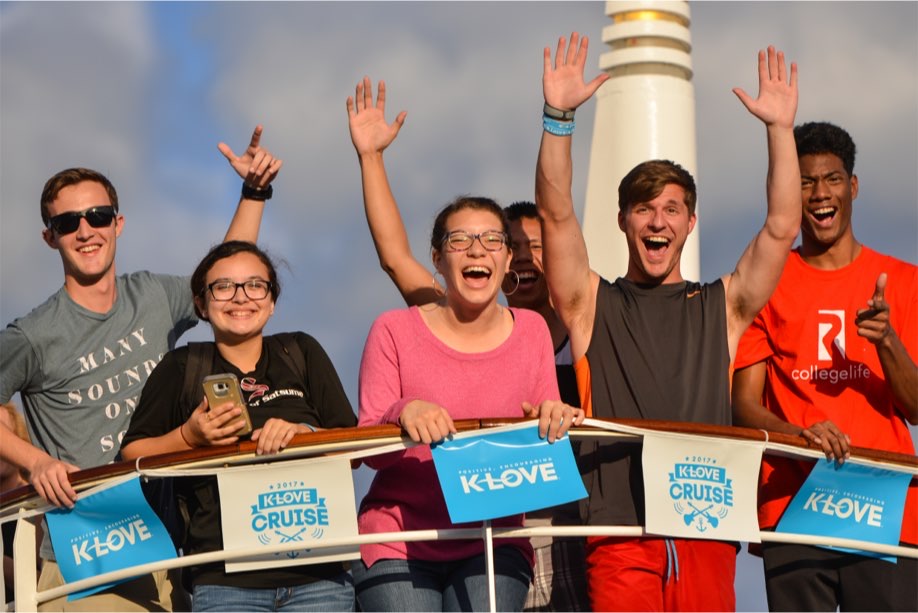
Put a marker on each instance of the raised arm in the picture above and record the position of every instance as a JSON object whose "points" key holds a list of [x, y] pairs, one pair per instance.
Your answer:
{"points": [[371, 135], [898, 366], [257, 168], [567, 267], [759, 268]]}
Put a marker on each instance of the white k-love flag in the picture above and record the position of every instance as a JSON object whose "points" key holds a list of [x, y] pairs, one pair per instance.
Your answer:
{"points": [[699, 487], [296, 502]]}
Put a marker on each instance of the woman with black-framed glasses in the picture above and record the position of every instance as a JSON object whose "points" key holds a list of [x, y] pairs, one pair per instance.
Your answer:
{"points": [[463, 356], [290, 387]]}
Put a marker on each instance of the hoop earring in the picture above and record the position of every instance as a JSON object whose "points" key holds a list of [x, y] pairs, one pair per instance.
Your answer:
{"points": [[515, 287], [438, 288]]}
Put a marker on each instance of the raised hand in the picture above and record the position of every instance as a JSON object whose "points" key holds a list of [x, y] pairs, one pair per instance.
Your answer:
{"points": [[562, 83], [555, 418], [216, 426], [777, 100], [426, 422], [367, 123], [257, 166], [873, 322]]}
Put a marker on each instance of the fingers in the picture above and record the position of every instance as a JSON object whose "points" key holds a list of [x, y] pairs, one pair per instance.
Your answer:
{"points": [[556, 418], [572, 49], [367, 93], [227, 152], [879, 292], [381, 96], [274, 436], [52, 483], [835, 443], [426, 422], [256, 137], [218, 426]]}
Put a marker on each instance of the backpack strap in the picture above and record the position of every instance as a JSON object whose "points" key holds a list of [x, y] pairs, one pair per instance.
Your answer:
{"points": [[200, 361], [289, 350]]}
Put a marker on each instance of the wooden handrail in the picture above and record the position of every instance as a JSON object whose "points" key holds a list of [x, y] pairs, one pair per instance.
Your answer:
{"points": [[365, 436]]}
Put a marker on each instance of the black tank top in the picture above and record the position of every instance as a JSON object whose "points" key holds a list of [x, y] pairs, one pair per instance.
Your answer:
{"points": [[656, 353]]}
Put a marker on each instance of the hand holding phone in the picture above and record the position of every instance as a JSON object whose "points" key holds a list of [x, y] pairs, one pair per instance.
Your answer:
{"points": [[223, 388]]}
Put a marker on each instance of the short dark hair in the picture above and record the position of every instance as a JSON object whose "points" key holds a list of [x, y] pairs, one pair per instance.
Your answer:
{"points": [[72, 176], [478, 203], [817, 137], [647, 180], [521, 209], [223, 251]]}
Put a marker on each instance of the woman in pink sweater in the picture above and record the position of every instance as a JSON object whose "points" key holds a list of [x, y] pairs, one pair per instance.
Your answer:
{"points": [[464, 356]]}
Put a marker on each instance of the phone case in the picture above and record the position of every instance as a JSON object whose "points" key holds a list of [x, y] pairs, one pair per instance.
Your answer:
{"points": [[223, 388]]}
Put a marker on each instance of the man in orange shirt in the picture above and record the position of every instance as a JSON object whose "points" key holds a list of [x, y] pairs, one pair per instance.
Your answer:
{"points": [[832, 359]]}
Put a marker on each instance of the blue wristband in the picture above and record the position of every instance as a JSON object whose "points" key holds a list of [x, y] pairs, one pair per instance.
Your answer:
{"points": [[558, 128], [312, 428]]}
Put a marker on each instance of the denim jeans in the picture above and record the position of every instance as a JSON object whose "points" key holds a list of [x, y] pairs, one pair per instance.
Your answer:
{"points": [[459, 585], [335, 594]]}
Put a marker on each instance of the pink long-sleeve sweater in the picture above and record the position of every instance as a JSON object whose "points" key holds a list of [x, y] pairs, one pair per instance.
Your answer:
{"points": [[404, 361]]}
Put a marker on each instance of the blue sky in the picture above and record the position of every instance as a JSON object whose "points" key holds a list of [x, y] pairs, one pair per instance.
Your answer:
{"points": [[144, 91]]}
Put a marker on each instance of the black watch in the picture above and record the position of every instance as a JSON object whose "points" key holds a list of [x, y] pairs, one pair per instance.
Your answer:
{"points": [[253, 193]]}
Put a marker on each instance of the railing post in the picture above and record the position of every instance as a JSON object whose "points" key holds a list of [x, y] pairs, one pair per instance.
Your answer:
{"points": [[489, 564], [25, 579]]}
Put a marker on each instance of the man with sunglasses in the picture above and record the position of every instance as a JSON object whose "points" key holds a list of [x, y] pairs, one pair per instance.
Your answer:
{"points": [[80, 360]]}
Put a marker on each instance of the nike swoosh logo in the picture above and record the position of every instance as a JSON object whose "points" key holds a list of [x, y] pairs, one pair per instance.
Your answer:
{"points": [[693, 294]]}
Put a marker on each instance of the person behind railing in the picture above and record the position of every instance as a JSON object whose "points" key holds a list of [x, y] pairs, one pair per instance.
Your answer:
{"points": [[235, 289], [652, 345], [77, 359], [559, 576], [11, 477], [464, 356], [859, 308]]}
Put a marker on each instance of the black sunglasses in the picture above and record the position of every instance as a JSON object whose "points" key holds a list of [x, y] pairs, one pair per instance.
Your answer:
{"points": [[97, 216]]}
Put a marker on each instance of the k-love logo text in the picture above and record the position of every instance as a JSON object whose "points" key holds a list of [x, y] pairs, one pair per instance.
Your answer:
{"points": [[510, 475], [864, 510], [288, 512], [113, 538], [701, 492]]}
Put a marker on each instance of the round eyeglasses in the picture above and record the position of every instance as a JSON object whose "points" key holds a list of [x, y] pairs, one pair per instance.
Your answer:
{"points": [[460, 240], [254, 289]]}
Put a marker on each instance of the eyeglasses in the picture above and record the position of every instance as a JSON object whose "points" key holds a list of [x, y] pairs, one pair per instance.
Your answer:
{"points": [[254, 289], [460, 240], [97, 216]]}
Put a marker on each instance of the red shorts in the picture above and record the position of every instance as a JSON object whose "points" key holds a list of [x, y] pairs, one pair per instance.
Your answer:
{"points": [[656, 574]]}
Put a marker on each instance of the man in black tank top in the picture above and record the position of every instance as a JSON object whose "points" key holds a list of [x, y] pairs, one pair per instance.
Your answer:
{"points": [[652, 345]]}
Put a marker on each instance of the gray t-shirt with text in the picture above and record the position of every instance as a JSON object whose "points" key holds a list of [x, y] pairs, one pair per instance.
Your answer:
{"points": [[80, 373]]}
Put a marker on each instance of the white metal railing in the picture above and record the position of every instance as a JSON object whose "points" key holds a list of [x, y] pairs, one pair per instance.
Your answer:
{"points": [[26, 509]]}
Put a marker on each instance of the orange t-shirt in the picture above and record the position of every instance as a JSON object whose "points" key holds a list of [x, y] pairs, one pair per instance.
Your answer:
{"points": [[818, 368]]}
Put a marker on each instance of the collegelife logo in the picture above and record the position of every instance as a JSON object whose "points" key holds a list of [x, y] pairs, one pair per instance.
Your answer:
{"points": [[831, 349], [289, 512], [831, 334], [701, 492]]}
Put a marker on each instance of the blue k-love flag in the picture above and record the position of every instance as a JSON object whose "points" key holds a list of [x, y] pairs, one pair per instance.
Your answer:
{"points": [[105, 531], [510, 471], [849, 501]]}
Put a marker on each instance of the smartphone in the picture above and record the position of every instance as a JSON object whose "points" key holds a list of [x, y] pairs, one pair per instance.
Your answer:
{"points": [[220, 389]]}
